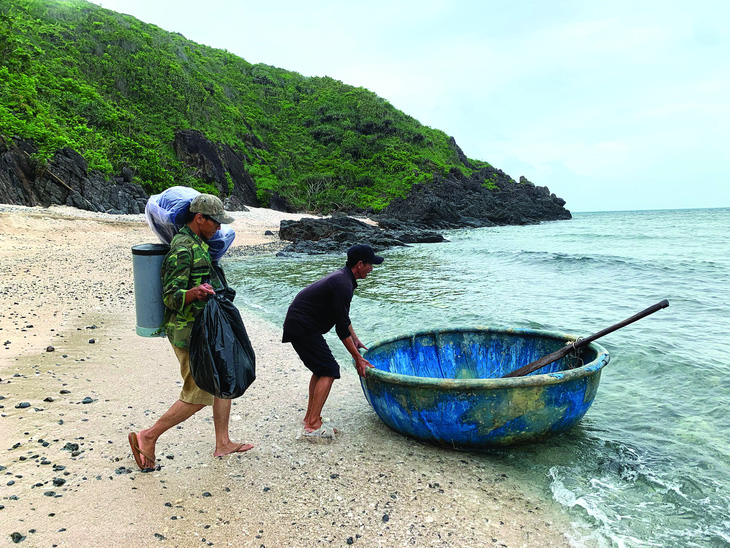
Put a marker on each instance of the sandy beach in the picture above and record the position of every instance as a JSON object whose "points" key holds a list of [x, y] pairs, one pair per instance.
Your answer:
{"points": [[76, 379]]}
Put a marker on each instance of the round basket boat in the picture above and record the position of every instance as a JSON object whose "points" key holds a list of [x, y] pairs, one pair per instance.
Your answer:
{"points": [[445, 387]]}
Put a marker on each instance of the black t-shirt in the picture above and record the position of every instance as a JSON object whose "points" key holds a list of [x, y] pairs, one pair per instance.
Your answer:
{"points": [[322, 305]]}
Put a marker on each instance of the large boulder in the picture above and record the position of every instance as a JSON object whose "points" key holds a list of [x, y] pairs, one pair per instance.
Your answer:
{"points": [[218, 165], [337, 234]]}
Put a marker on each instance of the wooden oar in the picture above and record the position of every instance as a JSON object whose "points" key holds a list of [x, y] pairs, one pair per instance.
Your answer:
{"points": [[555, 356]]}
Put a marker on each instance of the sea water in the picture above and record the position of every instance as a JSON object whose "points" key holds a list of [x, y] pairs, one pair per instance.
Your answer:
{"points": [[649, 465]]}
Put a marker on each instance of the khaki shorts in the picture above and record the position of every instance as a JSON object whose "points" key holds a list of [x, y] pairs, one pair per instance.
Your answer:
{"points": [[190, 391]]}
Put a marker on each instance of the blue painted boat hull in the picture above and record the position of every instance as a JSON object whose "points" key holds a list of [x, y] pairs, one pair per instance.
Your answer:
{"points": [[444, 387]]}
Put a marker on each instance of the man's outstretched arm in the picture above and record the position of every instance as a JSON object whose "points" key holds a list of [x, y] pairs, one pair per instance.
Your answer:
{"points": [[360, 363]]}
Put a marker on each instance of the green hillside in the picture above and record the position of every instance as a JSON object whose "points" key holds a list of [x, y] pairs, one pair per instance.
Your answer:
{"points": [[116, 90]]}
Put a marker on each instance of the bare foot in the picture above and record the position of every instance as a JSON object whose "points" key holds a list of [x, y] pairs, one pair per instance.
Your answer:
{"points": [[231, 448]]}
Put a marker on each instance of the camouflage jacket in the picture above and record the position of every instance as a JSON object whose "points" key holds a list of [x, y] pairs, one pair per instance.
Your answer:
{"points": [[187, 265]]}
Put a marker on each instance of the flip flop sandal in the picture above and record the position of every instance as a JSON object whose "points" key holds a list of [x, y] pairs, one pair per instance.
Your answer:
{"points": [[137, 452], [319, 434]]}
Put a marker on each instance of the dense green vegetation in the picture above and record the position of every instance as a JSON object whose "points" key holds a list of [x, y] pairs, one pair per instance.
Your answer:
{"points": [[116, 89]]}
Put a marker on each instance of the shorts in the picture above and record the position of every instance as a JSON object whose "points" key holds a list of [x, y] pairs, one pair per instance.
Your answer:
{"points": [[317, 356], [190, 392]]}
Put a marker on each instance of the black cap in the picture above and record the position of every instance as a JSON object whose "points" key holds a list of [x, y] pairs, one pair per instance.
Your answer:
{"points": [[364, 253]]}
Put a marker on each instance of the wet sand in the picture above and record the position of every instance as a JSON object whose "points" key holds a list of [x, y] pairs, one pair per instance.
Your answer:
{"points": [[69, 351]]}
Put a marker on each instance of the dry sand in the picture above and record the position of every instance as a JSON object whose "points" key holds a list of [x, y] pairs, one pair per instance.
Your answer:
{"points": [[67, 474]]}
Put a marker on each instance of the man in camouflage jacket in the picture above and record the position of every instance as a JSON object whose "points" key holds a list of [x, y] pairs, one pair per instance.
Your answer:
{"points": [[188, 279]]}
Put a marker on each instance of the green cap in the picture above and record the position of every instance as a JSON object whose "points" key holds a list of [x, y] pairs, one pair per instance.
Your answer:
{"points": [[210, 205]]}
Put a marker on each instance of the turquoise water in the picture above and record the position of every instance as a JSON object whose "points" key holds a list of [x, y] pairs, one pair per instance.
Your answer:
{"points": [[649, 465]]}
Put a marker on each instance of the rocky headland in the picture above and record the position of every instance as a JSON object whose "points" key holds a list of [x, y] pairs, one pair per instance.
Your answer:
{"points": [[486, 198]]}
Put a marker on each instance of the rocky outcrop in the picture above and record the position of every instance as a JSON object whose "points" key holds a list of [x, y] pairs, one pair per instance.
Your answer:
{"points": [[217, 164], [487, 198], [65, 180], [337, 234]]}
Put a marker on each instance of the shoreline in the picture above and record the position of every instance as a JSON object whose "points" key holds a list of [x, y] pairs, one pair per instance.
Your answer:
{"points": [[68, 282]]}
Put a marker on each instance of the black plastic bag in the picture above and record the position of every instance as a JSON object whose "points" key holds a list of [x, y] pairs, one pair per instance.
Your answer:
{"points": [[222, 360]]}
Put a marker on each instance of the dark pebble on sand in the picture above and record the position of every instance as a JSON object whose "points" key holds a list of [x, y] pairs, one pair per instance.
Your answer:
{"points": [[334, 476], [50, 493], [386, 518], [50, 349], [48, 399], [159, 536], [170, 457], [207, 494], [17, 537], [70, 446], [350, 540], [58, 482], [87, 399], [22, 405], [65, 392], [168, 504], [92, 341]]}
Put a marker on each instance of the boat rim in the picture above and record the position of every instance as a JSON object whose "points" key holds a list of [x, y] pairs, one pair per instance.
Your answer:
{"points": [[542, 379]]}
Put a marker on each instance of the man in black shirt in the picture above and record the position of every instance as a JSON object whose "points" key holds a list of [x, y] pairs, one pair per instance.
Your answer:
{"points": [[314, 311]]}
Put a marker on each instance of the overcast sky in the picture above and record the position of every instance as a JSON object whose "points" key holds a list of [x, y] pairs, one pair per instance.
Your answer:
{"points": [[613, 105]]}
